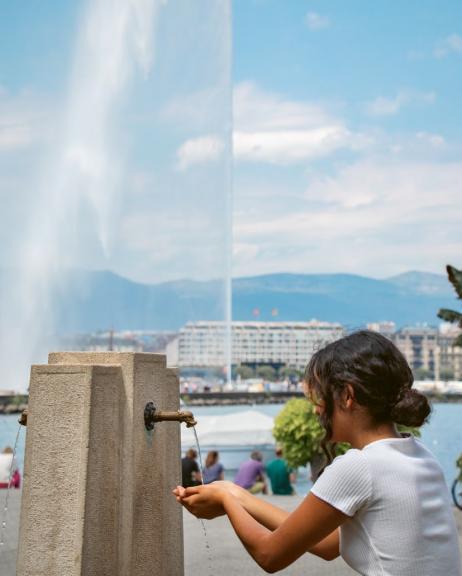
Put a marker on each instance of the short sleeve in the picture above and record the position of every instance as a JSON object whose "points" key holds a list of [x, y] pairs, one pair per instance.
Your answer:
{"points": [[345, 484]]}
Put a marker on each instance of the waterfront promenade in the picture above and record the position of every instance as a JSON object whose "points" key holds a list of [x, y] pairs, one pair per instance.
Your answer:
{"points": [[226, 554]]}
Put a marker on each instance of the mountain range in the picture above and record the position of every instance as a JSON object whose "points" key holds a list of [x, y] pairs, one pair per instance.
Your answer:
{"points": [[99, 300]]}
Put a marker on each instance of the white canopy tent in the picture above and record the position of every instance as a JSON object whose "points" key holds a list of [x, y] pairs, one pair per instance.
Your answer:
{"points": [[243, 429]]}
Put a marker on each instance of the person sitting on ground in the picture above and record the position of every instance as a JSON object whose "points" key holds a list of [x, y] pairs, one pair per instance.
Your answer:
{"points": [[214, 469], [250, 474], [190, 473], [280, 475], [384, 505], [9, 471]]}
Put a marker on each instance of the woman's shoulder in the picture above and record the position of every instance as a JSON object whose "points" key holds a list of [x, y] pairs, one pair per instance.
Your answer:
{"points": [[346, 483], [351, 456]]}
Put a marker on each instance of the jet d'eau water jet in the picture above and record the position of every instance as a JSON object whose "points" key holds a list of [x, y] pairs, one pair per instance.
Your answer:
{"points": [[139, 84], [82, 178]]}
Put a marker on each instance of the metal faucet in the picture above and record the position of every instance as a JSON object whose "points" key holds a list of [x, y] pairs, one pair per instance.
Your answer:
{"points": [[151, 415], [23, 418]]}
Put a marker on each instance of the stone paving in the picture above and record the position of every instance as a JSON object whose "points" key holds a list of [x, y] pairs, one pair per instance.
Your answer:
{"points": [[226, 555]]}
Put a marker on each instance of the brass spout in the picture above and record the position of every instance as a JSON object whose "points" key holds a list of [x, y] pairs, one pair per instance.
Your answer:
{"points": [[23, 418], [151, 415], [179, 416]]}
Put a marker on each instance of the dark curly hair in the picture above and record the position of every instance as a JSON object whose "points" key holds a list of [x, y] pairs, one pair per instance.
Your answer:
{"points": [[378, 373]]}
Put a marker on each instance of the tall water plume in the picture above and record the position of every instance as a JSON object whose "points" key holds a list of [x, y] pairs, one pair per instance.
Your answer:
{"points": [[82, 196]]}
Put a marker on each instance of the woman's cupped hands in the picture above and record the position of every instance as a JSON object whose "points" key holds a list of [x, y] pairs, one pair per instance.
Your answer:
{"points": [[206, 501]]}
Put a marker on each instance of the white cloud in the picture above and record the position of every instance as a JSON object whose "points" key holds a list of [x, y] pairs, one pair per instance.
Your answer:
{"points": [[382, 106], [452, 44], [435, 140], [273, 129], [196, 110], [26, 119], [199, 151], [375, 216], [14, 133], [290, 146], [316, 21]]}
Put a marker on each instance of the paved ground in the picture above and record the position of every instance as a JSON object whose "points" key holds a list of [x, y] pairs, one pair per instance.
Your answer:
{"points": [[225, 555]]}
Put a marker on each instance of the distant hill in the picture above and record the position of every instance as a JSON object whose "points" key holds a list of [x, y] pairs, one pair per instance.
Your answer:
{"points": [[100, 300]]}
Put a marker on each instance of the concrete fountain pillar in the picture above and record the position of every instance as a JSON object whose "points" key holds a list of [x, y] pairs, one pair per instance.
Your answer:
{"points": [[97, 487]]}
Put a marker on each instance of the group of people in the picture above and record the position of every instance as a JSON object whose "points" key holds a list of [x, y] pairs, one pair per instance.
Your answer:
{"points": [[250, 476]]}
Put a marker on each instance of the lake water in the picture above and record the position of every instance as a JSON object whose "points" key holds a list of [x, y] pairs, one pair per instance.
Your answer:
{"points": [[442, 435]]}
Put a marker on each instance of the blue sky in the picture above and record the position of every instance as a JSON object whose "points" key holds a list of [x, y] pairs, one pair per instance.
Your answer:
{"points": [[347, 135], [357, 167]]}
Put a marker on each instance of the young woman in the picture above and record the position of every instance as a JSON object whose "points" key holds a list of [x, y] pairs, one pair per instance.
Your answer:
{"points": [[384, 505]]}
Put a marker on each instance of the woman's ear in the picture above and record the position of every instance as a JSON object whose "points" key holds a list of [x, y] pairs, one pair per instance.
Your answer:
{"points": [[349, 397]]}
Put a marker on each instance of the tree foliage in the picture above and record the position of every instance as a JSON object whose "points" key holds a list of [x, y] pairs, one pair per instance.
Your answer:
{"points": [[245, 372], [266, 372], [298, 431], [455, 277]]}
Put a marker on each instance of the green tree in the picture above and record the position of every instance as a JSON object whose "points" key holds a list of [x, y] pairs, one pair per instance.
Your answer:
{"points": [[298, 431], [287, 372], [422, 374], [447, 374], [266, 372], [245, 372], [455, 277]]}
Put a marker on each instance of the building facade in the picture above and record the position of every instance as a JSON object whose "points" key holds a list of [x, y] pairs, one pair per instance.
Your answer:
{"points": [[419, 346], [202, 344], [430, 351]]}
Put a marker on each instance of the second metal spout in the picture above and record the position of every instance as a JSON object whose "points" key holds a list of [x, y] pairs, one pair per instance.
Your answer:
{"points": [[151, 415]]}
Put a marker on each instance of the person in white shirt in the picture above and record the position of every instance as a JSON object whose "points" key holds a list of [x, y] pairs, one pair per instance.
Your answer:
{"points": [[384, 505]]}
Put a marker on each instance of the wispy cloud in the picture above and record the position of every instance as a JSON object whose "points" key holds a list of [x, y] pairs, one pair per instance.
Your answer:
{"points": [[383, 106], [271, 128], [14, 134], [452, 44], [316, 21], [379, 216], [16, 121], [199, 151], [434, 140]]}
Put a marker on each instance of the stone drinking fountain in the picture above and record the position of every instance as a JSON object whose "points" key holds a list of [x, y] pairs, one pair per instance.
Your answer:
{"points": [[98, 469]]}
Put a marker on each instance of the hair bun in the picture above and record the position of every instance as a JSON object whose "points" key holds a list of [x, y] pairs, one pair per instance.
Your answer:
{"points": [[412, 409]]}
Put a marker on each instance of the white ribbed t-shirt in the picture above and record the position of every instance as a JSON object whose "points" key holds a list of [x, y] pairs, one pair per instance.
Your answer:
{"points": [[401, 519]]}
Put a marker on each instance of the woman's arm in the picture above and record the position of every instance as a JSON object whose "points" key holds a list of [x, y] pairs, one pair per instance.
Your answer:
{"points": [[309, 525], [312, 526], [272, 517]]}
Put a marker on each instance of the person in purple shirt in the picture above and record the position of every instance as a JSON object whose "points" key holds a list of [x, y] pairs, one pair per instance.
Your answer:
{"points": [[250, 475]]}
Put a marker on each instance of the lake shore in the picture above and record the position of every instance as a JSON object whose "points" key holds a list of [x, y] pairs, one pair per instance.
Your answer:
{"points": [[10, 405]]}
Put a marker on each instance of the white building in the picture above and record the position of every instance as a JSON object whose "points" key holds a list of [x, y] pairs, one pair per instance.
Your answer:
{"points": [[282, 343], [386, 328]]}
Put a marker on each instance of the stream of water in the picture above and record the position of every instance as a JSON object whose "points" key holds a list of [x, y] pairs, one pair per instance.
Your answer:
{"points": [[204, 529]]}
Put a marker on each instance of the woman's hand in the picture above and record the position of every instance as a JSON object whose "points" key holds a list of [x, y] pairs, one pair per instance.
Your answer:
{"points": [[233, 489], [202, 501]]}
